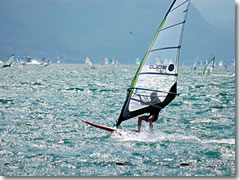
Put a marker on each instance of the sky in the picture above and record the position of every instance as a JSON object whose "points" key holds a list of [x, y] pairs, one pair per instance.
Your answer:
{"points": [[215, 17], [74, 29]]}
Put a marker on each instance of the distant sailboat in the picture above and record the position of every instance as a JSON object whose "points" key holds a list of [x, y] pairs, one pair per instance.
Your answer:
{"points": [[194, 67], [48, 62], [199, 63], [159, 78], [43, 61], [22, 61], [111, 61], [220, 64], [9, 62], [57, 60], [89, 62], [30, 61], [233, 62], [205, 62], [137, 61], [106, 61], [210, 66]]}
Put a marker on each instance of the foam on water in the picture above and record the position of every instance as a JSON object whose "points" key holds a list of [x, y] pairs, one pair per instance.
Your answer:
{"points": [[147, 135]]}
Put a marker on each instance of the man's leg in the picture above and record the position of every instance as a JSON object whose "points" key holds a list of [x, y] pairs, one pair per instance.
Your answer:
{"points": [[140, 122], [150, 121]]}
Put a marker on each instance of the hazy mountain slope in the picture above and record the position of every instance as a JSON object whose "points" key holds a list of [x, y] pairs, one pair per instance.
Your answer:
{"points": [[100, 28]]}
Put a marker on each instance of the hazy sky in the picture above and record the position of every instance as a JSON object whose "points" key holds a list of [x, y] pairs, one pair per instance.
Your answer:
{"points": [[74, 29], [209, 10]]}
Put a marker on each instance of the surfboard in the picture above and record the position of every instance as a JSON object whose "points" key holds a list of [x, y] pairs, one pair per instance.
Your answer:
{"points": [[106, 128], [110, 129]]}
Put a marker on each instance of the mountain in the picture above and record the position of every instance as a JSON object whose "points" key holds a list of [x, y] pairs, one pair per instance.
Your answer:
{"points": [[122, 29], [203, 39]]}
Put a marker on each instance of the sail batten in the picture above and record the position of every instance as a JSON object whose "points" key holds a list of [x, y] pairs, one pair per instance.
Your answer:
{"points": [[173, 25], [167, 74], [154, 90], [164, 48], [179, 5], [158, 70]]}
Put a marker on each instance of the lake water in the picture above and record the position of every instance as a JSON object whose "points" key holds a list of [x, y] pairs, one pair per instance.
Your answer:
{"points": [[41, 133]]}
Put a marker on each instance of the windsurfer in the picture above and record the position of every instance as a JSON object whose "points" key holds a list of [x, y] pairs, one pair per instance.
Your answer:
{"points": [[153, 113]]}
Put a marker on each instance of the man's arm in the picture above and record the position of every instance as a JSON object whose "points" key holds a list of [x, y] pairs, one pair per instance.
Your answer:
{"points": [[141, 101]]}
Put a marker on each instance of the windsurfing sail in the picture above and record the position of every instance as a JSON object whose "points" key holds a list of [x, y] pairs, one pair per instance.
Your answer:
{"points": [[48, 62], [205, 62], [233, 62], [9, 62], [137, 61], [158, 70], [220, 63], [199, 63], [111, 61], [43, 61], [210, 65], [106, 61], [57, 60], [22, 60], [194, 67], [89, 62]]}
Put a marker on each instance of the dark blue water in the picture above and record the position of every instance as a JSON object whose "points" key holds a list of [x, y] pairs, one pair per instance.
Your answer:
{"points": [[41, 133]]}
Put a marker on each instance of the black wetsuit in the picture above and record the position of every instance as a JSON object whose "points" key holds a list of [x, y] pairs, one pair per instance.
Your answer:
{"points": [[153, 112]]}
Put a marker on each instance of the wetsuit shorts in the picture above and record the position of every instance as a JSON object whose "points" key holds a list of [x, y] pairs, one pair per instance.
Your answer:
{"points": [[155, 117]]}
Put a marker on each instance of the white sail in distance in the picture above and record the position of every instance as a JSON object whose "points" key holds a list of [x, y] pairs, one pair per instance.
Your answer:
{"points": [[89, 62], [9, 62]]}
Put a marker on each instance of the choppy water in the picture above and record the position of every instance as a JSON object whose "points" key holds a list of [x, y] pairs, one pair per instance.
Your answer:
{"points": [[41, 134]]}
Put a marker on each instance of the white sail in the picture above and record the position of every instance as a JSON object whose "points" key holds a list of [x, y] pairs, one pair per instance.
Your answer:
{"points": [[161, 77], [106, 61], [158, 70], [220, 64], [9, 62], [89, 62], [194, 67]]}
